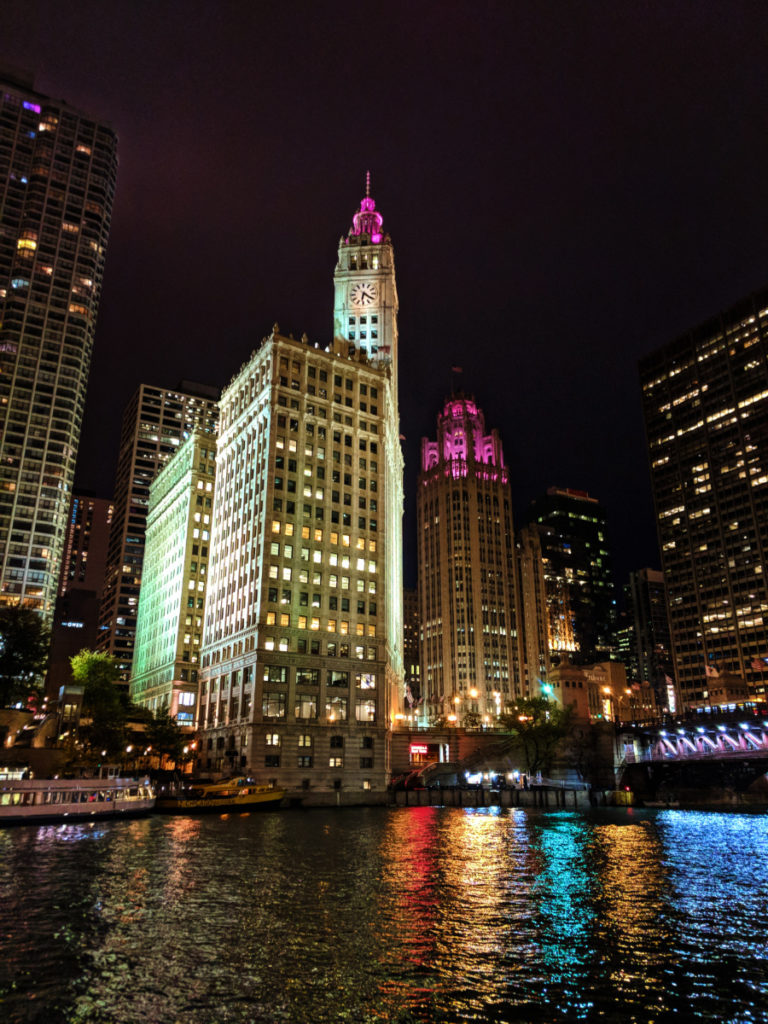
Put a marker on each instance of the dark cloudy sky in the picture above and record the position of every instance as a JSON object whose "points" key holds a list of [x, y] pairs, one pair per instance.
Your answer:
{"points": [[567, 186]]}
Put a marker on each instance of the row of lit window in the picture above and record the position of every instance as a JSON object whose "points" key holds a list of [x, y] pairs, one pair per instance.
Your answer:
{"points": [[341, 626], [278, 674], [284, 619], [305, 741], [275, 703], [308, 761]]}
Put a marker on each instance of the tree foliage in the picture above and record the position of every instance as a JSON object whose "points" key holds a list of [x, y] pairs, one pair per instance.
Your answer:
{"points": [[590, 751], [538, 727], [24, 647], [104, 707], [165, 737]]}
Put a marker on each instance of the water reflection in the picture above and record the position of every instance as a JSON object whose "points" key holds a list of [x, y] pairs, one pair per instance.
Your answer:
{"points": [[718, 878], [416, 914], [632, 910]]}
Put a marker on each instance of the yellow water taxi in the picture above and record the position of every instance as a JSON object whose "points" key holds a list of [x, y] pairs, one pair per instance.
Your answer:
{"points": [[240, 794]]}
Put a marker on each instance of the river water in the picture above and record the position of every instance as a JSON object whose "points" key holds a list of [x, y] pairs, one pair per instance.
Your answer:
{"points": [[387, 915]]}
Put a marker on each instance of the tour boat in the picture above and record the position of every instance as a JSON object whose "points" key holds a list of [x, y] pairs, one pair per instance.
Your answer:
{"points": [[28, 801], [220, 797]]}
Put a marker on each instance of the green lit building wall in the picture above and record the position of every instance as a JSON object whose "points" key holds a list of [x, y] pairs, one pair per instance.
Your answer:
{"points": [[173, 587]]}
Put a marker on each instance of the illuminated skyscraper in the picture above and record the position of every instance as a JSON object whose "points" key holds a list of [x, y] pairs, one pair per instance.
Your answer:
{"points": [[169, 629], [155, 422], [57, 183], [705, 401], [302, 660], [472, 661], [577, 570]]}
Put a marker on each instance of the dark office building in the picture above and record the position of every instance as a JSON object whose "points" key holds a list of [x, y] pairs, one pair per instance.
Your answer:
{"points": [[577, 573], [76, 615], [705, 402], [411, 650], [650, 658]]}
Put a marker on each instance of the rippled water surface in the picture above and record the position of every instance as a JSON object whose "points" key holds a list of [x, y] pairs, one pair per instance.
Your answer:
{"points": [[387, 915]]}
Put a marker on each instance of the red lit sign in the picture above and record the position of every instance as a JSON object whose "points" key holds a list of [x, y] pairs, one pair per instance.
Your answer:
{"points": [[419, 748]]}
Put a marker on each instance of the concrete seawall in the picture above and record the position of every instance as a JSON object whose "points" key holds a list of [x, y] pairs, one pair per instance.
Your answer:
{"points": [[456, 796]]}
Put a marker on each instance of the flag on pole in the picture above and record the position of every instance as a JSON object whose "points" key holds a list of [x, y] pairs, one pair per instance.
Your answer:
{"points": [[711, 671], [758, 665], [457, 369]]}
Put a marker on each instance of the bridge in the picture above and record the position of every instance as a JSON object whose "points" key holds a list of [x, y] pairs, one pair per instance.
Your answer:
{"points": [[713, 753]]}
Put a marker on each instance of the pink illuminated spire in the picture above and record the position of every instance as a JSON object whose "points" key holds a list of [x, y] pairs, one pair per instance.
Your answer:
{"points": [[367, 221]]}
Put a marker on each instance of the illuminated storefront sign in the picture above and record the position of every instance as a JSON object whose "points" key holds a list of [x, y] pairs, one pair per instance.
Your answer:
{"points": [[424, 753]]}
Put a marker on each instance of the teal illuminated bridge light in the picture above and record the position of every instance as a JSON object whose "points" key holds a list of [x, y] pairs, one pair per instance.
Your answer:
{"points": [[662, 732], [721, 728], [681, 731], [700, 728]]}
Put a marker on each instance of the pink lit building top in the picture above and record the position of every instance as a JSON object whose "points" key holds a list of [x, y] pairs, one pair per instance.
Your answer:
{"points": [[462, 447], [367, 220]]}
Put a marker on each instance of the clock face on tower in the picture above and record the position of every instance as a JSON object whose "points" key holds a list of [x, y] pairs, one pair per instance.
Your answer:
{"points": [[363, 294]]}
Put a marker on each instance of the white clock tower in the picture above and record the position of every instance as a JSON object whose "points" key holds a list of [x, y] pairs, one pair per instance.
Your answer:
{"points": [[365, 305], [365, 320]]}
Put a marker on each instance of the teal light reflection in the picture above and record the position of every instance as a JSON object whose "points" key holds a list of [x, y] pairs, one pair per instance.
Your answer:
{"points": [[563, 889]]}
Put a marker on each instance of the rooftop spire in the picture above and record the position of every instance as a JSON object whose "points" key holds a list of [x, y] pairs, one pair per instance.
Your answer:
{"points": [[367, 220]]}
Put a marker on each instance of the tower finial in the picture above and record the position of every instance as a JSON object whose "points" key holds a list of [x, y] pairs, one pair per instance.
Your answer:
{"points": [[367, 220]]}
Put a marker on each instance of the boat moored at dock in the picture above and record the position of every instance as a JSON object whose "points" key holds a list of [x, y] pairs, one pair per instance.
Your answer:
{"points": [[240, 794], [28, 801]]}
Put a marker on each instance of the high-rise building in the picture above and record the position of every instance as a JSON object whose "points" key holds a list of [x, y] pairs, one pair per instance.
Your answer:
{"points": [[412, 667], [57, 183], [155, 423], [85, 550], [650, 659], [302, 673], [169, 629], [705, 402], [471, 651], [76, 613], [578, 574], [534, 615]]}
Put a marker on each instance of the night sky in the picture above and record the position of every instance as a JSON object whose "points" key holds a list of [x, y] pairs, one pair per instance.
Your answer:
{"points": [[567, 186]]}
